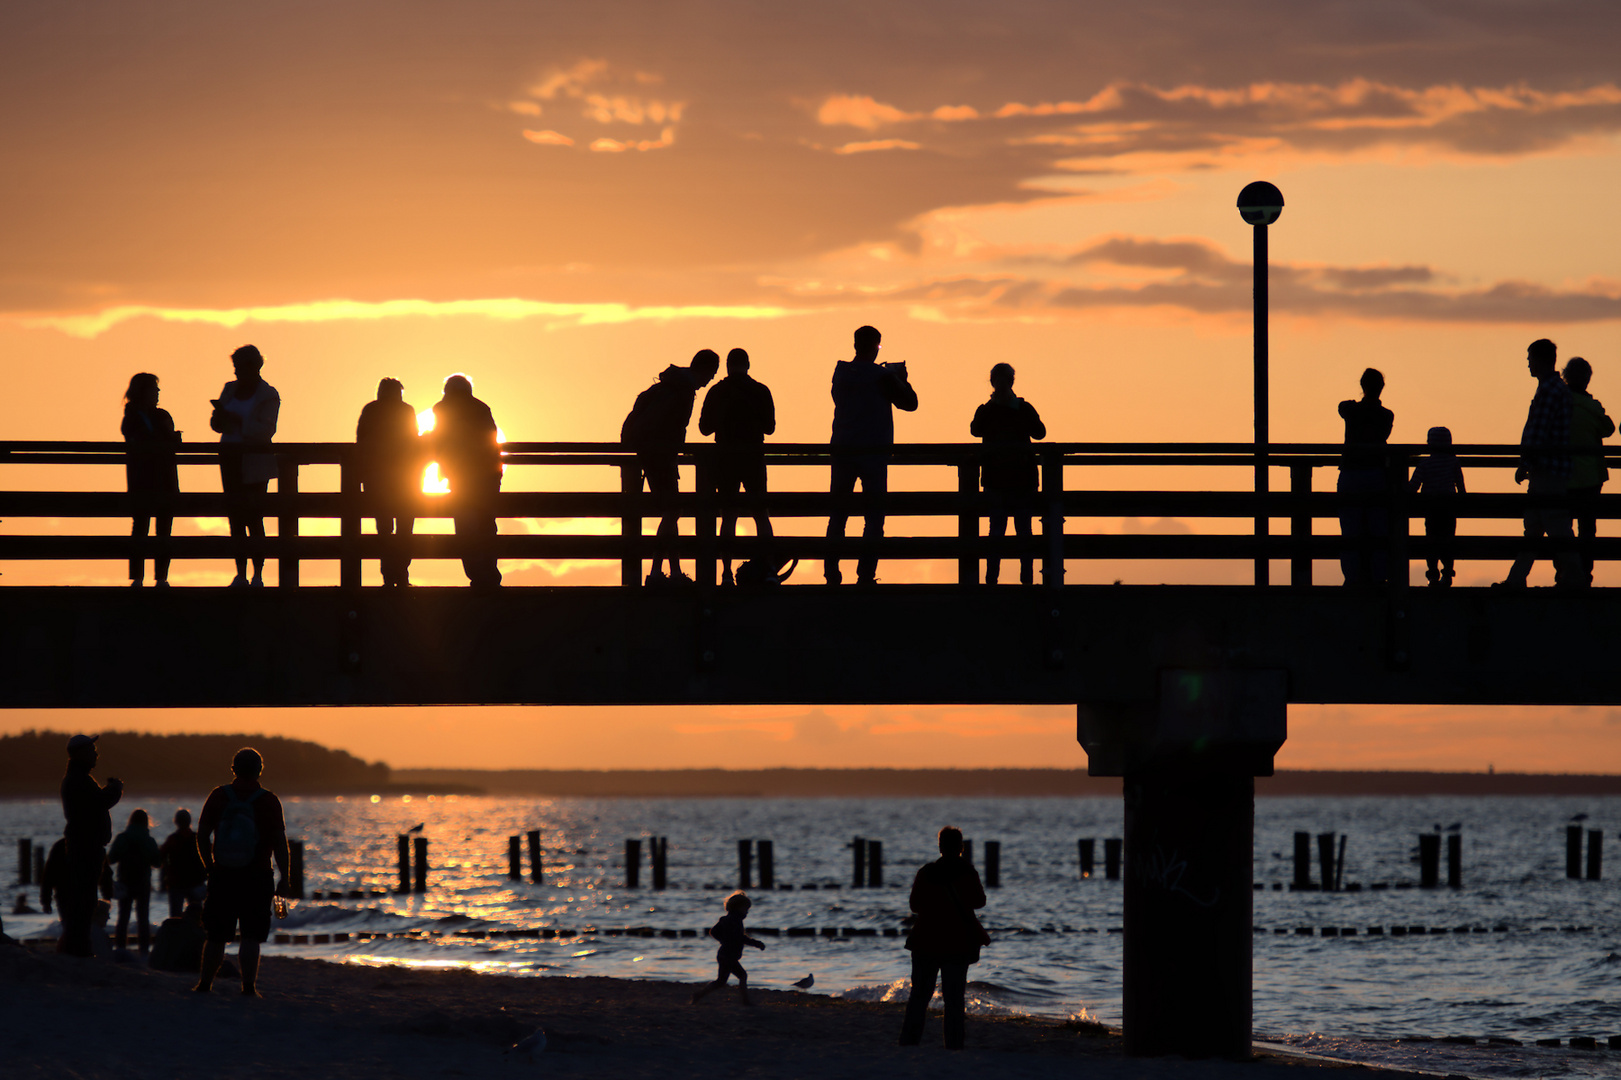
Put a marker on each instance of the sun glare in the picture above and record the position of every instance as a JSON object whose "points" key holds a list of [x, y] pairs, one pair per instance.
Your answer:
{"points": [[432, 482]]}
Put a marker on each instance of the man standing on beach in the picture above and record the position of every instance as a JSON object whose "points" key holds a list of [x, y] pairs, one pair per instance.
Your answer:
{"points": [[865, 395], [86, 805], [945, 939], [240, 829]]}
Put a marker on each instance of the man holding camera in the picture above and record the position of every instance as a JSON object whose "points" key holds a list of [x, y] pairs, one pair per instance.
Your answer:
{"points": [[865, 394]]}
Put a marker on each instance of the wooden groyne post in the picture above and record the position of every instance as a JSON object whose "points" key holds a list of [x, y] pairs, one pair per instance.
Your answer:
{"points": [[422, 864], [404, 844], [1429, 860], [633, 864], [659, 854], [745, 864], [1573, 851], [295, 868], [514, 859], [875, 863], [1086, 848], [766, 854], [1302, 860], [1454, 861], [25, 862], [993, 864], [1112, 848], [537, 873], [1325, 859], [858, 863], [1595, 854]]}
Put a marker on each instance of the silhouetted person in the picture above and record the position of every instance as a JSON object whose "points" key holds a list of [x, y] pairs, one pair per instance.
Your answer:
{"points": [[241, 828], [85, 805], [945, 938], [391, 473], [865, 395], [739, 413], [1363, 472], [1545, 462], [657, 429], [1439, 474], [1008, 473], [731, 937], [52, 881], [466, 444], [184, 878], [245, 415], [149, 470], [1590, 425], [134, 853]]}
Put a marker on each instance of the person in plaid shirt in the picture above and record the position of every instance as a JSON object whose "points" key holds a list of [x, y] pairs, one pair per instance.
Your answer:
{"points": [[1545, 462]]}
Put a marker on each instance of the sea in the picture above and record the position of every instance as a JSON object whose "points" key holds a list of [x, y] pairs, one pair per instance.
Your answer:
{"points": [[1454, 981]]}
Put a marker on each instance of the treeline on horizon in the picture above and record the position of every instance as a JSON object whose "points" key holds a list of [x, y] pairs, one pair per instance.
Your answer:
{"points": [[945, 783], [32, 763]]}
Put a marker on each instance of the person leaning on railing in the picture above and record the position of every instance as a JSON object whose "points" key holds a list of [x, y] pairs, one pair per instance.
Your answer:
{"points": [[390, 461], [149, 471], [1590, 425], [245, 414], [466, 443], [1008, 471]]}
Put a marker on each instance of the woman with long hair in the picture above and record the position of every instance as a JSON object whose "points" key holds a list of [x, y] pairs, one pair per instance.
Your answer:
{"points": [[149, 470]]}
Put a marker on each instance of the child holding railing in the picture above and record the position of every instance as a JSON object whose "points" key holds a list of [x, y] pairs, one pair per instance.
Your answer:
{"points": [[1439, 474]]}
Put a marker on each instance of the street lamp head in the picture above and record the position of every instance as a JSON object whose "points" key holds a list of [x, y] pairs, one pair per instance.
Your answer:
{"points": [[1260, 203]]}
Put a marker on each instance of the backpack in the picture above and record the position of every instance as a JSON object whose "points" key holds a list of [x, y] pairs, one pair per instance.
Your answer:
{"points": [[757, 573], [237, 836]]}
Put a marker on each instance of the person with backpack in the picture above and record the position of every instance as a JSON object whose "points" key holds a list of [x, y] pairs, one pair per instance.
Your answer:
{"points": [[656, 429], [945, 938], [239, 831], [134, 853], [740, 413]]}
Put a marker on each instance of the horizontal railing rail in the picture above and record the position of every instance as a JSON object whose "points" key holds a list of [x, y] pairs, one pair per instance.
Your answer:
{"points": [[1055, 503]]}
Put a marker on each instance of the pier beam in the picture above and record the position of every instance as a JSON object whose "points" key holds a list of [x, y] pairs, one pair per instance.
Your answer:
{"points": [[1189, 760]]}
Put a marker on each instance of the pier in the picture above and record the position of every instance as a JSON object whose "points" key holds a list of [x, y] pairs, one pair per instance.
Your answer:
{"points": [[1182, 690]]}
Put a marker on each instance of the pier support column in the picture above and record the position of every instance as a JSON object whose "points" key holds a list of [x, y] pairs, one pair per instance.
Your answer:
{"points": [[1189, 760]]}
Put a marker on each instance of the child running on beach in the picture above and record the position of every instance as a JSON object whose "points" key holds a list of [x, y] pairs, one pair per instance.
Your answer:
{"points": [[732, 937]]}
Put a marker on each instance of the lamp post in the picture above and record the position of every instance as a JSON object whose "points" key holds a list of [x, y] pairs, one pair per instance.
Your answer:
{"points": [[1260, 204]]}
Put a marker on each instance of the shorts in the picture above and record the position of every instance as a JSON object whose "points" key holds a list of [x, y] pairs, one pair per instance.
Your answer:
{"points": [[729, 965], [238, 895]]}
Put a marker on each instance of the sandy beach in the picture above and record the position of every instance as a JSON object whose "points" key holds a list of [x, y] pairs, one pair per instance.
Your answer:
{"points": [[90, 1018]]}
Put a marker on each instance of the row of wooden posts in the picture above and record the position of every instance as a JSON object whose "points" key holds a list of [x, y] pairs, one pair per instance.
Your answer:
{"points": [[31, 864], [1331, 859]]}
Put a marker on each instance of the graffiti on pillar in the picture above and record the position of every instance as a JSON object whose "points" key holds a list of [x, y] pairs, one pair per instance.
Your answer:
{"points": [[1169, 871]]}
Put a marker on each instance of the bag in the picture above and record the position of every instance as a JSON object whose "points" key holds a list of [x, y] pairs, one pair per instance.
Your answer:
{"points": [[764, 573], [980, 935], [237, 837]]}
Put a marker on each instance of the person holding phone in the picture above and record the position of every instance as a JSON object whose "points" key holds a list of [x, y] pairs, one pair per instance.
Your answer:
{"points": [[245, 415]]}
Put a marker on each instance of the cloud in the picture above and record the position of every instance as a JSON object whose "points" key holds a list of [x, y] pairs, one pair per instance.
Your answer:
{"points": [[548, 138], [877, 144], [860, 111], [508, 309], [616, 146], [1196, 276]]}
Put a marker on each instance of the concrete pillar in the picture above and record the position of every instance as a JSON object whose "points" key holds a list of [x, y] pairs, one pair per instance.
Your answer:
{"points": [[1188, 913], [1189, 758]]}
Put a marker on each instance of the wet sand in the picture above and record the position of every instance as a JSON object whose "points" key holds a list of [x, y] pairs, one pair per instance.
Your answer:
{"points": [[90, 1019]]}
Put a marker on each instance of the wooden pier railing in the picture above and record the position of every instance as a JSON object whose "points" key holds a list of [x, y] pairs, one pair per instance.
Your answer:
{"points": [[1060, 500]]}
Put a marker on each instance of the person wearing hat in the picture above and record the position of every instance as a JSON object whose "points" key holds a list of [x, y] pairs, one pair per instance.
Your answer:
{"points": [[86, 805]]}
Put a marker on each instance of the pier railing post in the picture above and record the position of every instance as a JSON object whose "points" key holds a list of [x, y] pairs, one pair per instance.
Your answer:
{"points": [[287, 523], [704, 570], [1300, 527], [968, 525], [1052, 519], [349, 521], [630, 525]]}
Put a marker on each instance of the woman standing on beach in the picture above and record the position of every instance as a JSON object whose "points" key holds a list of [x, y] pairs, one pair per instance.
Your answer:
{"points": [[946, 937], [245, 413]]}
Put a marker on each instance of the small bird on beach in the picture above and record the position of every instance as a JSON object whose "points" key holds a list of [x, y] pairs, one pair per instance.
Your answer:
{"points": [[1455, 826], [417, 827], [531, 1045], [807, 982]]}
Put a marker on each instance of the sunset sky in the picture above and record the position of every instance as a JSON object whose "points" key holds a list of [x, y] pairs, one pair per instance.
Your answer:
{"points": [[560, 200]]}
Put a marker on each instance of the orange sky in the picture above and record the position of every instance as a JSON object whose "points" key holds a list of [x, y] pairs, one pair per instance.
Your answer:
{"points": [[560, 201]]}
